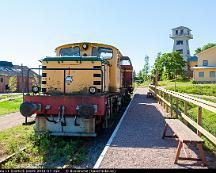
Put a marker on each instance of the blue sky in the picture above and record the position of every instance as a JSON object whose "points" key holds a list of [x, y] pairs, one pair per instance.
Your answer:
{"points": [[30, 30]]}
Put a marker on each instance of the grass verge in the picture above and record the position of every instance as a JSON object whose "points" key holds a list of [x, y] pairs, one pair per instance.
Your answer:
{"points": [[43, 151], [10, 106]]}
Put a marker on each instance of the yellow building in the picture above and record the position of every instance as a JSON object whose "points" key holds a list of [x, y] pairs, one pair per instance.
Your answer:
{"points": [[205, 70]]}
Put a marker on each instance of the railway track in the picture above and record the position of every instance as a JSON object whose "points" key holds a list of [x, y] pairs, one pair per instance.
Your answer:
{"points": [[6, 159]]}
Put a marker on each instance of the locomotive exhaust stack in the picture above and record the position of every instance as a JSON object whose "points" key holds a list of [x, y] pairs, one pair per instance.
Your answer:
{"points": [[27, 109]]}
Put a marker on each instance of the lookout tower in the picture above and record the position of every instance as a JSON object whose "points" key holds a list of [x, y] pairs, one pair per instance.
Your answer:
{"points": [[181, 36]]}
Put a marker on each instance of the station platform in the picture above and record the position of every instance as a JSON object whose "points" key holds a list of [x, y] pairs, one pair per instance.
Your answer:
{"points": [[137, 140]]}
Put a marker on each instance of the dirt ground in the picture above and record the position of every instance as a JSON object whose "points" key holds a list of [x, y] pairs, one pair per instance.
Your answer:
{"points": [[11, 120]]}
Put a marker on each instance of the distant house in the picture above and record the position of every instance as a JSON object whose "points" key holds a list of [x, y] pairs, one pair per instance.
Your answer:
{"points": [[7, 70], [205, 70]]}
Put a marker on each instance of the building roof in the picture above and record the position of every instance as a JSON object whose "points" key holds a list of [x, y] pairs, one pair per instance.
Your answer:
{"points": [[180, 27], [8, 69], [6, 63], [209, 49], [193, 58], [205, 67]]}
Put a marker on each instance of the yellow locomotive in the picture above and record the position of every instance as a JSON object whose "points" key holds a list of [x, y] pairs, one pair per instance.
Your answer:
{"points": [[81, 89]]}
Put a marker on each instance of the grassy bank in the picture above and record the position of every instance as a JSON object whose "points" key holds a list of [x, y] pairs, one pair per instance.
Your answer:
{"points": [[200, 89], [10, 106], [208, 123], [43, 151], [209, 118]]}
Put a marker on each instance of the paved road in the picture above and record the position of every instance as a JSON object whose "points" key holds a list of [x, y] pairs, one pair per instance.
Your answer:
{"points": [[138, 142], [12, 120]]}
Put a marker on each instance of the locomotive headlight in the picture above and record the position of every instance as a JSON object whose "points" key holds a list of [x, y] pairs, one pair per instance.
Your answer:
{"points": [[92, 90], [35, 89], [85, 46]]}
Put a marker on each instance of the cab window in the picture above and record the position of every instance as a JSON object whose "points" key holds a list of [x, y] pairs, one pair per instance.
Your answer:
{"points": [[75, 51], [104, 53]]}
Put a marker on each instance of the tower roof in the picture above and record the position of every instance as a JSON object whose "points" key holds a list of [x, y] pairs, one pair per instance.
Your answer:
{"points": [[182, 27]]}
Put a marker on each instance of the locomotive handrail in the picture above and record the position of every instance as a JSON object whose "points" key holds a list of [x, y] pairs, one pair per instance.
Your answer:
{"points": [[166, 98], [65, 69]]}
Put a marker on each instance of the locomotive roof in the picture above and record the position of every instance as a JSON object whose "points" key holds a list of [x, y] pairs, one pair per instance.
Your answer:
{"points": [[96, 44], [72, 58]]}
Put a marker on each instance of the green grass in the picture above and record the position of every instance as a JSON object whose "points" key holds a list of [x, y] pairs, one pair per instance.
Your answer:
{"points": [[12, 106], [171, 83], [5, 96], [43, 151], [14, 138], [189, 88]]}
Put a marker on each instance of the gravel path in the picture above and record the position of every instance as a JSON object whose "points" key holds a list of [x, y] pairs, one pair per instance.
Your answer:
{"points": [[11, 120], [138, 142]]}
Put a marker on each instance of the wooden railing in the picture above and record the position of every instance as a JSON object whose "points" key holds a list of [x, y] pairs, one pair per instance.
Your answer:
{"points": [[166, 98]]}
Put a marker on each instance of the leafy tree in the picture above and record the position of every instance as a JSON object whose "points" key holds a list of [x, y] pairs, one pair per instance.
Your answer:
{"points": [[35, 80], [198, 50], [140, 75], [12, 83], [169, 65], [205, 47], [134, 75], [145, 70]]}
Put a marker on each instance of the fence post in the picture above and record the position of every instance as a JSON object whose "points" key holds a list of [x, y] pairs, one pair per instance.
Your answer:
{"points": [[164, 96], [171, 106], [167, 110], [177, 107], [185, 111], [199, 119]]}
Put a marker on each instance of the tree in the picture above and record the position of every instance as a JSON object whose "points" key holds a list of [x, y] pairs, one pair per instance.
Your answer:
{"points": [[145, 70], [140, 75], [35, 80], [205, 47], [12, 83], [134, 75], [169, 65]]}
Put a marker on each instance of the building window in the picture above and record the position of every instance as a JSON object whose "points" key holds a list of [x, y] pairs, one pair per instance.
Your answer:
{"points": [[212, 74], [180, 50], [176, 32], [205, 62], [182, 31], [188, 52], [179, 42], [1, 80], [201, 74]]}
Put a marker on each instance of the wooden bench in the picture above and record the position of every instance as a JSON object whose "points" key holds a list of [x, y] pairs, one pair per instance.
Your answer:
{"points": [[185, 136]]}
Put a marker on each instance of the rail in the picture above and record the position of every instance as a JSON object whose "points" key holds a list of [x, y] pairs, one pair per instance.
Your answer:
{"points": [[166, 98]]}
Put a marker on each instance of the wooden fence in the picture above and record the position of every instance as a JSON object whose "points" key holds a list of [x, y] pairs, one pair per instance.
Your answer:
{"points": [[170, 102]]}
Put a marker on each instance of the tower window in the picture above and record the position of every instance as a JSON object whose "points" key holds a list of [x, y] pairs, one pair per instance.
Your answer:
{"points": [[179, 42], [188, 52], [180, 50], [205, 62], [182, 31], [176, 32]]}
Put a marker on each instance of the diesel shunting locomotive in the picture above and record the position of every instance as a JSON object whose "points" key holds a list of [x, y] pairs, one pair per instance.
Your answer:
{"points": [[81, 89]]}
